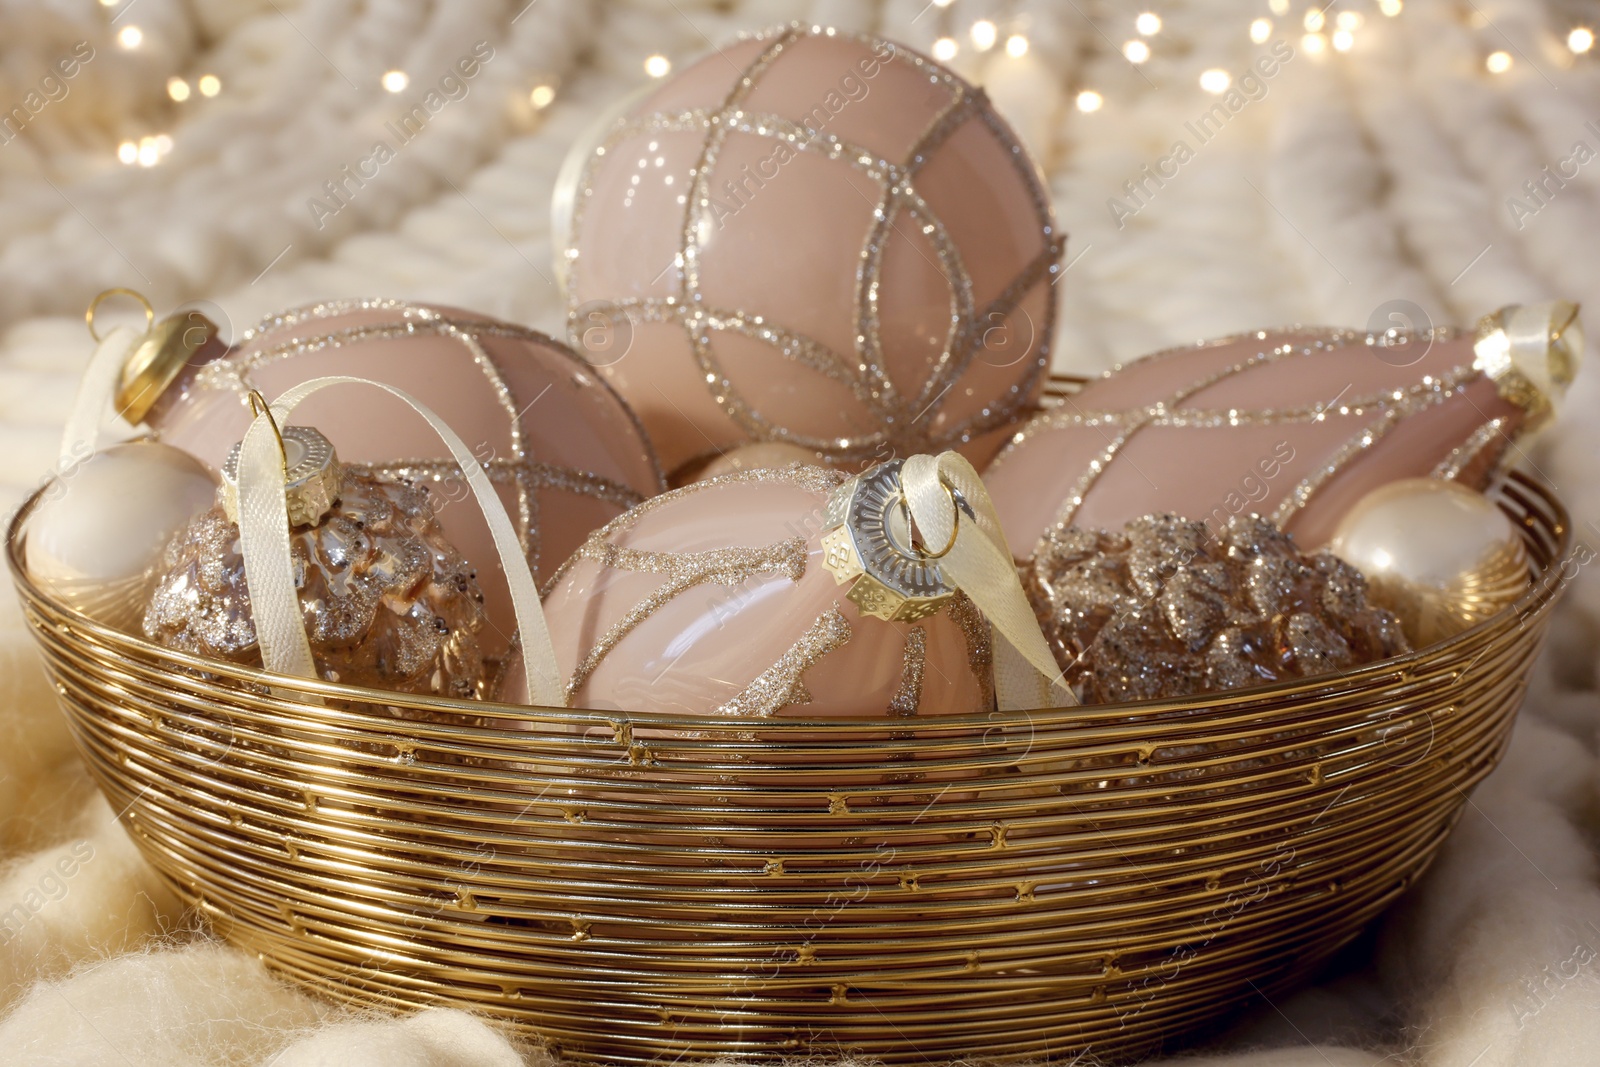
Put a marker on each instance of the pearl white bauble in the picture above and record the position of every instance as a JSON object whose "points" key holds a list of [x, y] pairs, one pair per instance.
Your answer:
{"points": [[96, 536], [1440, 556]]}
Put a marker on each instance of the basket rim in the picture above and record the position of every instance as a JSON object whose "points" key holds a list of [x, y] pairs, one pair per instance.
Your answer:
{"points": [[1545, 584]]}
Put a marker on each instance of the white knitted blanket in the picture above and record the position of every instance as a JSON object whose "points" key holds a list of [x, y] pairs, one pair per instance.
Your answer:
{"points": [[1395, 171]]}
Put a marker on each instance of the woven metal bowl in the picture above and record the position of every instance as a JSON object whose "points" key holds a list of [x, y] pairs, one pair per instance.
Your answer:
{"points": [[627, 887]]}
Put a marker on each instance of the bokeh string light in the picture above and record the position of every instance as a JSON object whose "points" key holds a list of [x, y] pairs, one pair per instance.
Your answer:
{"points": [[1322, 33], [146, 151]]}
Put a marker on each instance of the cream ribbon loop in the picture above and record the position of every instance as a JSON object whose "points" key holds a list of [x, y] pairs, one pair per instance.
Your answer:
{"points": [[95, 390], [979, 564], [269, 566]]}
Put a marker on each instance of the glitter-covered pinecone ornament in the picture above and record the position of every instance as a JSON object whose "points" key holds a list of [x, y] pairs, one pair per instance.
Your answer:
{"points": [[387, 601], [1162, 608]]}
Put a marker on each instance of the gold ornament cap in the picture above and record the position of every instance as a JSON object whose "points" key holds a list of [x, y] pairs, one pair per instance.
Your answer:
{"points": [[867, 542], [1531, 352], [312, 476], [157, 358]]}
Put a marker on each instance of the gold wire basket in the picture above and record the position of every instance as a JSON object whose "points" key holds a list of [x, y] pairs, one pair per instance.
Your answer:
{"points": [[626, 887]]}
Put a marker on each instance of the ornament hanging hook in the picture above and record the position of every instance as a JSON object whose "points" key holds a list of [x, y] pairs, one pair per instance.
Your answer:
{"points": [[1555, 334], [260, 407], [957, 501], [106, 294]]}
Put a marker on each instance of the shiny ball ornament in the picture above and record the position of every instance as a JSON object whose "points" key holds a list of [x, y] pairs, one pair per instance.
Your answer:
{"points": [[564, 452], [96, 536], [1440, 556], [715, 599], [387, 601], [818, 238], [1162, 609], [1296, 425]]}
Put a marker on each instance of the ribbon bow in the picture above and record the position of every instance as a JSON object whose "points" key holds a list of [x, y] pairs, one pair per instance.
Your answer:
{"points": [[978, 562]]}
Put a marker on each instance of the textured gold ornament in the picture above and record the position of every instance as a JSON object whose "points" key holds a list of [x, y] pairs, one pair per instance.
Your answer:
{"points": [[387, 601], [1441, 557], [867, 542], [1162, 608]]}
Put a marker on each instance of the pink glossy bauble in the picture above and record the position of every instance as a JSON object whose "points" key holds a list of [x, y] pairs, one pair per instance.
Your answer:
{"points": [[818, 238], [564, 452], [714, 600], [1294, 425]]}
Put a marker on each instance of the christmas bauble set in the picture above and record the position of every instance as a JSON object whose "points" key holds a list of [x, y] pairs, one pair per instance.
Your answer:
{"points": [[597, 683], [802, 292]]}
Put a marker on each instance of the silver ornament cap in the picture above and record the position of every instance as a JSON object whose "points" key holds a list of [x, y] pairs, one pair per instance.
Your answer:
{"points": [[868, 543], [311, 476]]}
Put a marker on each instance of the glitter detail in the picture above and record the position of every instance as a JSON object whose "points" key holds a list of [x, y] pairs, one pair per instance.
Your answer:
{"points": [[782, 684], [526, 473], [1302, 492], [684, 571], [1162, 609], [725, 566], [903, 421], [1382, 411], [980, 645], [1483, 446], [502, 471], [387, 601], [909, 696], [821, 481], [330, 308]]}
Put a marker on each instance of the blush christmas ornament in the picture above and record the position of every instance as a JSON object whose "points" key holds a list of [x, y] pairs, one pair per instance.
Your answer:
{"points": [[565, 453], [1296, 425], [800, 592], [1440, 556], [816, 238], [386, 600], [96, 536], [714, 599]]}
